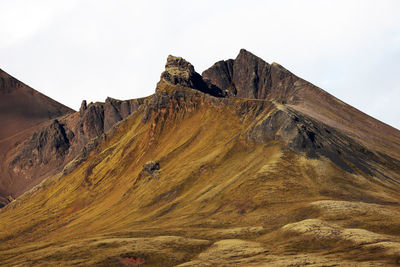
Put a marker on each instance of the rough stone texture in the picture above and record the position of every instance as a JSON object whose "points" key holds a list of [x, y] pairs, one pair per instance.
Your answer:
{"points": [[44, 146], [83, 107], [70, 139], [169, 98], [92, 121], [111, 113], [151, 166], [221, 74], [84, 153], [249, 76], [23, 111], [151, 170], [180, 72], [99, 118], [306, 135]]}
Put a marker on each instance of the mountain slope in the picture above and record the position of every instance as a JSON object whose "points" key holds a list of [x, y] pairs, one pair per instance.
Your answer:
{"points": [[23, 111], [22, 107], [203, 180], [251, 77], [40, 136]]}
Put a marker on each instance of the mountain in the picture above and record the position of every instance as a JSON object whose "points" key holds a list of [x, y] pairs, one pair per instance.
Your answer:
{"points": [[23, 111], [23, 107], [244, 165], [41, 135], [251, 77]]}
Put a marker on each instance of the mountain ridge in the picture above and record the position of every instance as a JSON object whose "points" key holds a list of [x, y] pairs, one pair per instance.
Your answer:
{"points": [[302, 96], [191, 179], [219, 80]]}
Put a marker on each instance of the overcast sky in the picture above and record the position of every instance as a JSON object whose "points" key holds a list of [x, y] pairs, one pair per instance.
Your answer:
{"points": [[73, 50]]}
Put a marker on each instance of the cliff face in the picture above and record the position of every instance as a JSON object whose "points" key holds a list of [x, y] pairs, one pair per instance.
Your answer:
{"points": [[248, 76]]}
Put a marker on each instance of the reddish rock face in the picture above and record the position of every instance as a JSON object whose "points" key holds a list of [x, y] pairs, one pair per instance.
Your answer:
{"points": [[23, 111], [59, 141], [249, 76], [22, 107], [39, 136], [221, 74]]}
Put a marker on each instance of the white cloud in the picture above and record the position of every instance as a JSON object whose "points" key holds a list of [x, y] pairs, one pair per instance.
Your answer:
{"points": [[91, 49]]}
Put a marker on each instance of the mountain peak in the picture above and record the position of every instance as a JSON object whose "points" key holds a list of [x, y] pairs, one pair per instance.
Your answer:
{"points": [[178, 71], [245, 53], [179, 66], [8, 83], [249, 76], [23, 107]]}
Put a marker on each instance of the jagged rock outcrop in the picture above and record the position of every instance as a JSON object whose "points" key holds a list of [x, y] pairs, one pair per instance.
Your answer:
{"points": [[221, 74], [70, 139], [249, 76], [151, 170], [180, 72], [24, 111], [97, 118], [306, 135], [83, 107], [51, 143], [151, 166], [92, 121]]}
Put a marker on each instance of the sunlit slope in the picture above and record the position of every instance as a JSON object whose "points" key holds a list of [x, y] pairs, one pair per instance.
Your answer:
{"points": [[219, 197]]}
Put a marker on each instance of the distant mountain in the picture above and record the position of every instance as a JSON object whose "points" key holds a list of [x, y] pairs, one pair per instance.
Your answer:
{"points": [[244, 165], [23, 110], [22, 107]]}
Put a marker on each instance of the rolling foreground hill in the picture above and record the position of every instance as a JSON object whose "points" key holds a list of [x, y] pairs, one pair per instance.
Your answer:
{"points": [[244, 165]]}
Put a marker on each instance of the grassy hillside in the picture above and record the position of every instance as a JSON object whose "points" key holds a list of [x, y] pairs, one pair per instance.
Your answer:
{"points": [[219, 198]]}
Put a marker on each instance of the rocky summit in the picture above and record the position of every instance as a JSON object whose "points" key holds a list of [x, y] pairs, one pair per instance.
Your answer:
{"points": [[180, 72], [244, 165]]}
